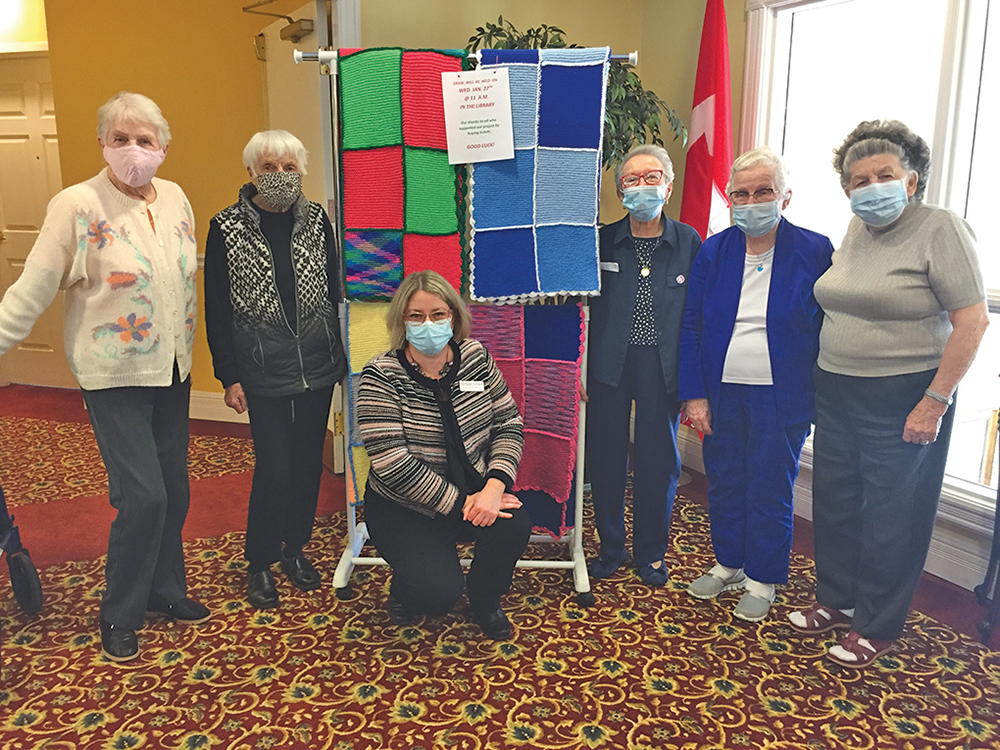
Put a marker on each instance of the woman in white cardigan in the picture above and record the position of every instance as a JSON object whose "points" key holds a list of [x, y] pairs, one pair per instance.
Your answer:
{"points": [[122, 246]]}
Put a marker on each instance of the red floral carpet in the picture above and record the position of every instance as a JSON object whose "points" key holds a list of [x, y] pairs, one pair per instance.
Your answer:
{"points": [[642, 669], [47, 460]]}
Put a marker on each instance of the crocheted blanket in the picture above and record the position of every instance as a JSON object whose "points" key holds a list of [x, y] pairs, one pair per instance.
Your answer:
{"points": [[538, 348], [401, 199], [367, 337], [534, 217]]}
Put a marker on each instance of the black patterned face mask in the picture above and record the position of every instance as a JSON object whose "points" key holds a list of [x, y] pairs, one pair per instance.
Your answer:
{"points": [[279, 189]]}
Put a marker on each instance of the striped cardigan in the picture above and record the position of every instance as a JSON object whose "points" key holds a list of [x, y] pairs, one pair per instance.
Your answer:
{"points": [[402, 428]]}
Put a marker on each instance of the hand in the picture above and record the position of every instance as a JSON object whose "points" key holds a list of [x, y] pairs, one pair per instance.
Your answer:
{"points": [[699, 413], [507, 502], [583, 392], [923, 423], [236, 399], [483, 508]]}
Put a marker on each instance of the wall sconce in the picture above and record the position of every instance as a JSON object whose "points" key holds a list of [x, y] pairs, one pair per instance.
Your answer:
{"points": [[294, 32]]}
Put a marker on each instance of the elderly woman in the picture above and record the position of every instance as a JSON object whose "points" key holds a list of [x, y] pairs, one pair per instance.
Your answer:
{"points": [[271, 291], [748, 347], [904, 311], [445, 439], [634, 339], [122, 246]]}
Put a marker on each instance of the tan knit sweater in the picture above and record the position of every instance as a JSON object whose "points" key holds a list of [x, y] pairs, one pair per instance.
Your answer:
{"points": [[887, 295], [130, 292]]}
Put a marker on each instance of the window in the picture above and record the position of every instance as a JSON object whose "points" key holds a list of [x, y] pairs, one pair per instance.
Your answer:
{"points": [[815, 68]]}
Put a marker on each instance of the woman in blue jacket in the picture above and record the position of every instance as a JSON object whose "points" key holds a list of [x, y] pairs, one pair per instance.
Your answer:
{"points": [[748, 345]]}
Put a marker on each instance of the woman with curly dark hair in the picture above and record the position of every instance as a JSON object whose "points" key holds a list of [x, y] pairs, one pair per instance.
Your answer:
{"points": [[904, 311]]}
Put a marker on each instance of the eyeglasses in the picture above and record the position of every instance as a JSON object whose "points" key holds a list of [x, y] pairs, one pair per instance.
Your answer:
{"points": [[417, 318], [760, 195], [652, 177]]}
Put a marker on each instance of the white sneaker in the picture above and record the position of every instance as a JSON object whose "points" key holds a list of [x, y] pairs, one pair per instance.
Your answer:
{"points": [[755, 604], [715, 581]]}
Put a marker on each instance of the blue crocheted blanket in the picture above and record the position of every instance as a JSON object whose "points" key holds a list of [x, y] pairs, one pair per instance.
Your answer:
{"points": [[534, 217]]}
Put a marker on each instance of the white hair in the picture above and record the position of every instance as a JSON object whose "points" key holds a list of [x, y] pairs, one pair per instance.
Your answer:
{"points": [[277, 144], [127, 105], [647, 149], [766, 157]]}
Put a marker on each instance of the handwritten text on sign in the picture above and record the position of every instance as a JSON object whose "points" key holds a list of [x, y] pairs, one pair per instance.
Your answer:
{"points": [[477, 115]]}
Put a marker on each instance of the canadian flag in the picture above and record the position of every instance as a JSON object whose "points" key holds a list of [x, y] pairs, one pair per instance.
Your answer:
{"points": [[704, 204]]}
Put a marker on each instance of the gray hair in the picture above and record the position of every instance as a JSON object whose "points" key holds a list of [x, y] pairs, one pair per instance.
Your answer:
{"points": [[276, 143], [646, 149], [875, 137], [127, 105], [762, 156]]}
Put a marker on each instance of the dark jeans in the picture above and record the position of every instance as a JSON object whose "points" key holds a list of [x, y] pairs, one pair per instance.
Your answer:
{"points": [[142, 434], [874, 496], [657, 460], [288, 434], [427, 577], [751, 461]]}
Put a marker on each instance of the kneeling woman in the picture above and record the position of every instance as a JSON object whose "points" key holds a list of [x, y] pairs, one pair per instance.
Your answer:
{"points": [[444, 437]]}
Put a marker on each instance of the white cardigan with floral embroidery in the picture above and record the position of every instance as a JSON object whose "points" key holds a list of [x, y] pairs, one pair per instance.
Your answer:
{"points": [[130, 290]]}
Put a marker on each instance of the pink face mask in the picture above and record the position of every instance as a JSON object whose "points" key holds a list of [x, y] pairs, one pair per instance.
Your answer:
{"points": [[134, 165]]}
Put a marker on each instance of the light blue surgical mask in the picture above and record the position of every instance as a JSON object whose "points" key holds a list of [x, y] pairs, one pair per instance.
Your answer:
{"points": [[880, 203], [644, 202], [757, 219], [429, 338]]}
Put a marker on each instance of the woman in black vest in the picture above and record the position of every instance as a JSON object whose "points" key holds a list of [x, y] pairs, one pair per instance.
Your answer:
{"points": [[271, 291]]}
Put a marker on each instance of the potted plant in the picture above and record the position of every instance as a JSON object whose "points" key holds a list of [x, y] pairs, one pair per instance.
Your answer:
{"points": [[632, 115]]}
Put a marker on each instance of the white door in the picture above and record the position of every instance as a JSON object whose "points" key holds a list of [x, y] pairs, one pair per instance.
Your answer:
{"points": [[29, 177]]}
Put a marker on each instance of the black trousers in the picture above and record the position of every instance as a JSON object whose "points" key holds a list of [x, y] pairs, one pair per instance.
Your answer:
{"points": [[875, 496], [427, 577], [142, 434], [288, 434], [657, 460]]}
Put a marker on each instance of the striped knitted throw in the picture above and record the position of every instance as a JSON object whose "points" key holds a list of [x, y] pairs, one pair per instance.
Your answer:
{"points": [[367, 337], [538, 348], [534, 217], [401, 205]]}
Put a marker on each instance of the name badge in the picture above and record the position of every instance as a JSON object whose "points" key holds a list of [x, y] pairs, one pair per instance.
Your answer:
{"points": [[471, 386], [607, 266]]}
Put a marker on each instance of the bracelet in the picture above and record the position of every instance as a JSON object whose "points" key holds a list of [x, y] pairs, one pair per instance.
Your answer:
{"points": [[946, 400]]}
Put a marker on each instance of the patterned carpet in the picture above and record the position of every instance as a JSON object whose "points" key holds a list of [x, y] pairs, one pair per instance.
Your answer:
{"points": [[642, 669], [60, 460]]}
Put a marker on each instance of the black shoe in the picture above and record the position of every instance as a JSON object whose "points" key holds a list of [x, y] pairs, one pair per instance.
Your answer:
{"points": [[261, 592], [495, 625], [397, 612], [186, 611], [300, 570], [118, 644]]}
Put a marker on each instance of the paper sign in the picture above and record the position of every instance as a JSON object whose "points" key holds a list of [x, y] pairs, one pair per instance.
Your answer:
{"points": [[477, 115]]}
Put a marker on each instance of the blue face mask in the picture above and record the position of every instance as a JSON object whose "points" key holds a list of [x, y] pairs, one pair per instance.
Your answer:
{"points": [[880, 203], [757, 219], [644, 202], [429, 338]]}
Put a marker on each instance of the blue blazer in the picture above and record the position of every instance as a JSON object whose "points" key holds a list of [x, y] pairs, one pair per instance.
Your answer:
{"points": [[611, 312], [793, 316]]}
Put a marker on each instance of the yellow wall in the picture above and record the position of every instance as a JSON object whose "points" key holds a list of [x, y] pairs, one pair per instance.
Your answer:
{"points": [[198, 64], [196, 60], [22, 22], [667, 34]]}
